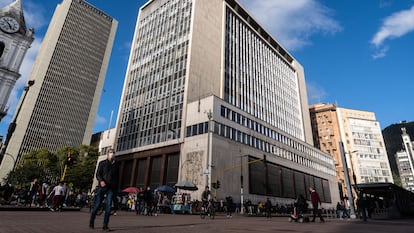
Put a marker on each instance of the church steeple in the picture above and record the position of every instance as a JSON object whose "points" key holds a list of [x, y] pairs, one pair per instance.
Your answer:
{"points": [[15, 10], [15, 40]]}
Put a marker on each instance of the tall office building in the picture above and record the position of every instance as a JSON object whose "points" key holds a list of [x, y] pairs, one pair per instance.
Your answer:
{"points": [[405, 162], [210, 96], [69, 72], [15, 40], [361, 135]]}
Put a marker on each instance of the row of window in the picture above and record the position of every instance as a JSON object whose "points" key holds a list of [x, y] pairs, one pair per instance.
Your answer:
{"points": [[263, 145], [270, 133], [285, 182], [64, 103], [155, 85], [258, 80]]}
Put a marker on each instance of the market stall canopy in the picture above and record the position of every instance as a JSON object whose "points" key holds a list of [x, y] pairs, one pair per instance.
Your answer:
{"points": [[186, 185], [165, 188]]}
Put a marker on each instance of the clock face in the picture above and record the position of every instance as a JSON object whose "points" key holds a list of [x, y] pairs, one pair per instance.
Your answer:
{"points": [[9, 25]]}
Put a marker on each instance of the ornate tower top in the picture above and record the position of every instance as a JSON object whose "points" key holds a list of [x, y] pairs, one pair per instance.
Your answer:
{"points": [[14, 11]]}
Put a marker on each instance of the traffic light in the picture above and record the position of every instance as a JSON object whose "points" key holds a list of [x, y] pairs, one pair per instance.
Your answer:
{"points": [[217, 184], [214, 185], [69, 161]]}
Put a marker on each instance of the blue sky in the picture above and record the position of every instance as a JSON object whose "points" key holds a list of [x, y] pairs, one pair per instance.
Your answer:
{"points": [[355, 53]]}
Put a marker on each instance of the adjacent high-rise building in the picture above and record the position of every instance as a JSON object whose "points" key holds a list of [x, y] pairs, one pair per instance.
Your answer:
{"points": [[211, 97], [327, 136], [69, 72], [15, 40], [361, 135], [405, 162]]}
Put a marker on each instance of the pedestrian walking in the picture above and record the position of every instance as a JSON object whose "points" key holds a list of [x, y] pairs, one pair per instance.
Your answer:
{"points": [[57, 196], [268, 208], [229, 206], [33, 192], [148, 199], [362, 204], [107, 176], [316, 203]]}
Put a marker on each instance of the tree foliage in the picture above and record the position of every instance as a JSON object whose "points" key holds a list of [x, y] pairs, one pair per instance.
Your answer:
{"points": [[45, 165]]}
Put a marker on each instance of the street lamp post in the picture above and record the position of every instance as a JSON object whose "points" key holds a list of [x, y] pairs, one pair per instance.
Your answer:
{"points": [[241, 185], [208, 159], [13, 124], [347, 181]]}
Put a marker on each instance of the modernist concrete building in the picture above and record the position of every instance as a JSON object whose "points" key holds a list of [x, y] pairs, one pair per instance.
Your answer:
{"points": [[69, 73], [361, 135], [15, 40], [210, 95], [405, 162]]}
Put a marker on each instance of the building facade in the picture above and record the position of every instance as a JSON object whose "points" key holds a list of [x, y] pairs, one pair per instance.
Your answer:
{"points": [[69, 71], [364, 147], [15, 40], [327, 136], [405, 162], [210, 96]]}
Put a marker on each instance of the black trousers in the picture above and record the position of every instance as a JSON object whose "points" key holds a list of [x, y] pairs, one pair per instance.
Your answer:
{"points": [[315, 212]]}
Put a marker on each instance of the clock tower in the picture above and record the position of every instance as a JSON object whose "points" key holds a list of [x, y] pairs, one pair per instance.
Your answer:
{"points": [[15, 40]]}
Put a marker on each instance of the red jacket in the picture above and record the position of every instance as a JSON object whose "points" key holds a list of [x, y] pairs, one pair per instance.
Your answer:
{"points": [[315, 198]]}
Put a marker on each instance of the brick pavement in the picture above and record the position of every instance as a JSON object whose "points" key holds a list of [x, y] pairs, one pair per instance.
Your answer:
{"points": [[126, 222]]}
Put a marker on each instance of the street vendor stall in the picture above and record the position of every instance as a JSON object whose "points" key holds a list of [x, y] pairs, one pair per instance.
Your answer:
{"points": [[182, 201]]}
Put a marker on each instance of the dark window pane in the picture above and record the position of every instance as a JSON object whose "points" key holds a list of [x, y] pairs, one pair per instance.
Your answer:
{"points": [[309, 183], [326, 191], [287, 176], [256, 178], [201, 128], [142, 165], [223, 111], [172, 170], [126, 175], [188, 131], [318, 188], [300, 184], [274, 180]]}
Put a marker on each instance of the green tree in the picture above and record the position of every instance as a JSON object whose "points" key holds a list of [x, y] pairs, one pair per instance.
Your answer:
{"points": [[46, 165]]}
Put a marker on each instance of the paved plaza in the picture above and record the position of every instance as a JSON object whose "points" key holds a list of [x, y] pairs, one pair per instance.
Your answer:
{"points": [[77, 221]]}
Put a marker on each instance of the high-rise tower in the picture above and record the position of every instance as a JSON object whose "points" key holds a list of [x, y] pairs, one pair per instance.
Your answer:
{"points": [[69, 73], [211, 96], [15, 40]]}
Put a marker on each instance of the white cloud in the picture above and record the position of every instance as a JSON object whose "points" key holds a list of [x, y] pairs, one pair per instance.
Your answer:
{"points": [[394, 26], [293, 22], [380, 53], [100, 120], [316, 93]]}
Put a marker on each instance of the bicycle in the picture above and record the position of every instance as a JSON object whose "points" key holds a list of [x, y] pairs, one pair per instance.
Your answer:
{"points": [[209, 210]]}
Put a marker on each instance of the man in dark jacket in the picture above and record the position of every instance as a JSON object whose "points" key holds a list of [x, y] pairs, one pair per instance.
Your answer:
{"points": [[107, 176], [316, 202]]}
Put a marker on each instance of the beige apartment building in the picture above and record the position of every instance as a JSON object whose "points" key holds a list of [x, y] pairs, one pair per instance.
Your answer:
{"points": [[361, 135]]}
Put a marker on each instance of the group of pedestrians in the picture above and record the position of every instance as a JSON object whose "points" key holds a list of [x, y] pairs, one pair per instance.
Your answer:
{"points": [[108, 176]]}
